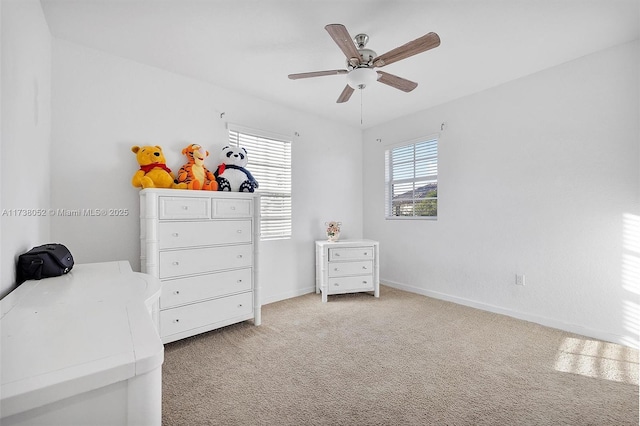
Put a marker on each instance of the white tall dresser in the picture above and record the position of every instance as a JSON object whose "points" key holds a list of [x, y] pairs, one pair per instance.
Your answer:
{"points": [[203, 246]]}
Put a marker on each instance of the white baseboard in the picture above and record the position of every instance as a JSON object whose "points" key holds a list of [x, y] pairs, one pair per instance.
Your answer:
{"points": [[288, 295], [547, 322]]}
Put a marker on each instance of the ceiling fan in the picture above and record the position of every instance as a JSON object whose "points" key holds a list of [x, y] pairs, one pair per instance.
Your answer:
{"points": [[362, 61]]}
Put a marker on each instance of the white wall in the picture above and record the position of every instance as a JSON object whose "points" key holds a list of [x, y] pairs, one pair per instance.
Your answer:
{"points": [[26, 128], [536, 177], [3, 289], [103, 105]]}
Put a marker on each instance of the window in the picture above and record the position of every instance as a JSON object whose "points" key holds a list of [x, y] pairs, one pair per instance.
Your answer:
{"points": [[411, 177], [270, 164]]}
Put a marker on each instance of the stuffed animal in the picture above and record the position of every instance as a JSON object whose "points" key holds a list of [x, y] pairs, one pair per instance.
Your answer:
{"points": [[194, 173], [153, 172], [231, 174]]}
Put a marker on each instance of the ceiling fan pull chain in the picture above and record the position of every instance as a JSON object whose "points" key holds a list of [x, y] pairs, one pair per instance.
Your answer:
{"points": [[361, 95]]}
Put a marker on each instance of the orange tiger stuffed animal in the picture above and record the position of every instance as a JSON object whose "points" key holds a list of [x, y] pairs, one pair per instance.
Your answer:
{"points": [[194, 174]]}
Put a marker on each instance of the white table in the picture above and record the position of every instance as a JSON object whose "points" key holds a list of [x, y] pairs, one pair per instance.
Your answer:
{"points": [[82, 348]]}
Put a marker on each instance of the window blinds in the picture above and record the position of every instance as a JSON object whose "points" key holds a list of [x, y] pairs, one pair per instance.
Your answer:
{"points": [[270, 164], [412, 179]]}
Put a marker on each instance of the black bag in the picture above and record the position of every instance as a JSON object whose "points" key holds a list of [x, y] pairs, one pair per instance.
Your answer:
{"points": [[49, 260]]}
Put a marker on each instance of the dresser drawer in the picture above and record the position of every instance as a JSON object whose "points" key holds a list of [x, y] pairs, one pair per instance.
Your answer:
{"points": [[175, 263], [184, 208], [354, 253], [338, 269], [188, 290], [350, 284], [232, 208], [183, 318], [189, 234]]}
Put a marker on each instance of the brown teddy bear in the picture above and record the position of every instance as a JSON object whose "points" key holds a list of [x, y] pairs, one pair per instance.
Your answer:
{"points": [[153, 172]]}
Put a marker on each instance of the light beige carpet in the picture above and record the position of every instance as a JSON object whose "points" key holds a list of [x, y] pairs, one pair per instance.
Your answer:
{"points": [[403, 359]]}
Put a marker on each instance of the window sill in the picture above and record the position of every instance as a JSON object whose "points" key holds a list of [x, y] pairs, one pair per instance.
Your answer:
{"points": [[432, 218]]}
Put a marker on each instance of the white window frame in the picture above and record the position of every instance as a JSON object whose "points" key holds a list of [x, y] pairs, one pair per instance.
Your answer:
{"points": [[419, 169], [273, 174]]}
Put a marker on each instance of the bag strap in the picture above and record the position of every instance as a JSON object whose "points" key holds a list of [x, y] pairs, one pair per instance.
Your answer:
{"points": [[35, 268]]}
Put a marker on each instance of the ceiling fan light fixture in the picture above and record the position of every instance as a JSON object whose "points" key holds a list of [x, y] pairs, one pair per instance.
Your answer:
{"points": [[358, 78]]}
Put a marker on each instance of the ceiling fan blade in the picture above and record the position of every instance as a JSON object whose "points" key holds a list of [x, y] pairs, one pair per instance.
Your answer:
{"points": [[419, 45], [397, 82], [317, 74], [345, 95], [340, 35]]}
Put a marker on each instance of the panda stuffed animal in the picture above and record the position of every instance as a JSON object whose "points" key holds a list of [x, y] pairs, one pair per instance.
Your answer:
{"points": [[231, 174]]}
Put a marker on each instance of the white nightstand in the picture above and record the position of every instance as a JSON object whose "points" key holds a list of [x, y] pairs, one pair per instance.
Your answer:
{"points": [[347, 266]]}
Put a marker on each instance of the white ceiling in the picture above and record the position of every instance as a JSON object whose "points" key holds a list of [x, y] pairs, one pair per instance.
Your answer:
{"points": [[250, 46]]}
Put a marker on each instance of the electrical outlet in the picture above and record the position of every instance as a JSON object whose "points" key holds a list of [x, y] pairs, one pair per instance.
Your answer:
{"points": [[519, 279]]}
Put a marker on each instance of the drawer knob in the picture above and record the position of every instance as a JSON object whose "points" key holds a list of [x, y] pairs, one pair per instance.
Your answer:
{"points": [[185, 207], [364, 267], [239, 256], [365, 253], [337, 254], [364, 282], [336, 285], [239, 231], [175, 234], [176, 292], [240, 305], [233, 208], [335, 269], [239, 281], [176, 320], [176, 263]]}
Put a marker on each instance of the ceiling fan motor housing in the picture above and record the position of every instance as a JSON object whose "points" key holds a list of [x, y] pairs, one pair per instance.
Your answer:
{"points": [[367, 56]]}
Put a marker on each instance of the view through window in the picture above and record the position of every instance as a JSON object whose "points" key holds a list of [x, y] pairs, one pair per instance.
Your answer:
{"points": [[412, 179]]}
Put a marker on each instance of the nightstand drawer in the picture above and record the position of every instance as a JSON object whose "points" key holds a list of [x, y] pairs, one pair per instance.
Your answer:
{"points": [[189, 317], [187, 290], [232, 208], [189, 234], [176, 263], [355, 253], [184, 208], [338, 269], [350, 284]]}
